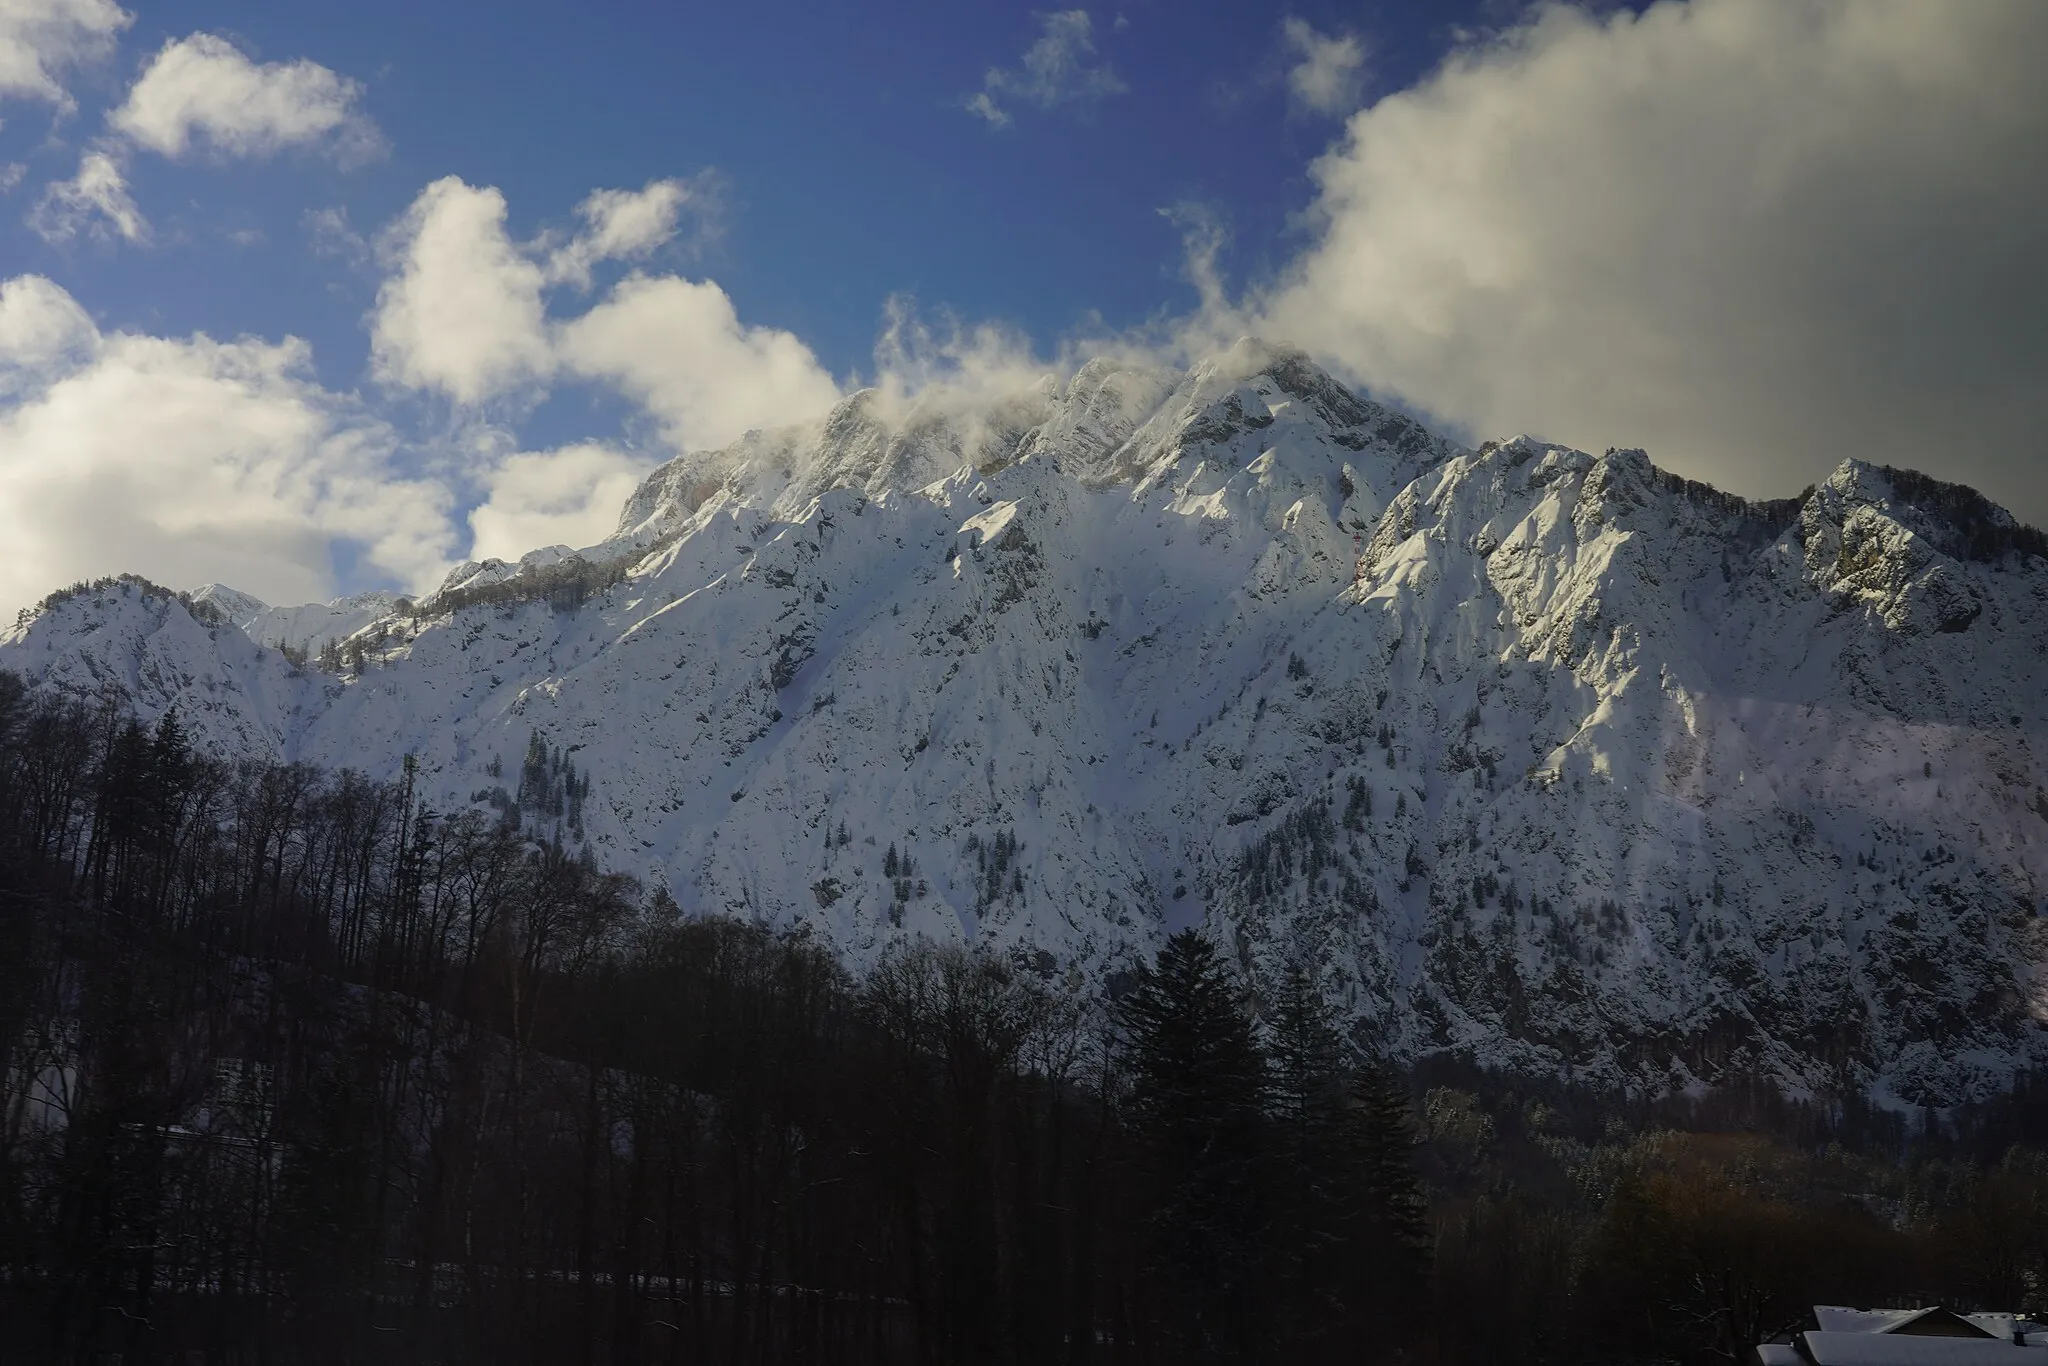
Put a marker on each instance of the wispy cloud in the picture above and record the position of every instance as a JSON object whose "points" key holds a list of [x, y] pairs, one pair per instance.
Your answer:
{"points": [[94, 202], [1328, 71], [629, 225], [1060, 69], [331, 234]]}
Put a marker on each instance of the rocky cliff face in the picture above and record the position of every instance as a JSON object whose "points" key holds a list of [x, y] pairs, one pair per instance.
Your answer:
{"points": [[1552, 760]]}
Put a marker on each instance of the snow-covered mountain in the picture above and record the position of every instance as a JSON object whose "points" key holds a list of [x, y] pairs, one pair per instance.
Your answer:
{"points": [[1551, 760], [309, 628]]}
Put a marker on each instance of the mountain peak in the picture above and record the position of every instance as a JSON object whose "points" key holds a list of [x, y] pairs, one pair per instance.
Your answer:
{"points": [[1954, 519], [237, 606]]}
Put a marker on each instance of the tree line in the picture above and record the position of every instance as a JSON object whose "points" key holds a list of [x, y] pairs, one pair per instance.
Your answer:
{"points": [[298, 1069], [294, 1068]]}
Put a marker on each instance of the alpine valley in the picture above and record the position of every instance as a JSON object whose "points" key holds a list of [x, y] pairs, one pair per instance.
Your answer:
{"points": [[1553, 762]]}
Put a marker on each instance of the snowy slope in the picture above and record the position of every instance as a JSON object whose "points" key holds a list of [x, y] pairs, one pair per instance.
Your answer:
{"points": [[305, 628], [1551, 760]]}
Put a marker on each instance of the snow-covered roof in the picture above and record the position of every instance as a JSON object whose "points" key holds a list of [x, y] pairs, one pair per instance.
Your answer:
{"points": [[1837, 1319], [1834, 1318], [1882, 1348]]}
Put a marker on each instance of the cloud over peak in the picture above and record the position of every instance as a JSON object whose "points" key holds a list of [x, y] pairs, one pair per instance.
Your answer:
{"points": [[1753, 237], [1060, 69], [569, 496], [678, 348]]}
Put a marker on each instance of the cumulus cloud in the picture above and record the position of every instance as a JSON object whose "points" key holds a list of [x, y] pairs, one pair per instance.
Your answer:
{"points": [[95, 202], [1328, 73], [201, 93], [462, 313], [190, 460], [679, 349], [41, 39], [569, 496], [1753, 237], [623, 225], [1061, 68], [194, 460]]}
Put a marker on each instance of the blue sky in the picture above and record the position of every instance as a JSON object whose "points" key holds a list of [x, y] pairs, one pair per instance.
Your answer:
{"points": [[315, 297], [848, 165]]}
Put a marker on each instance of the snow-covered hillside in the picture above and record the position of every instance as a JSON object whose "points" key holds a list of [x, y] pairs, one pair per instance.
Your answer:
{"points": [[309, 628], [1552, 760]]}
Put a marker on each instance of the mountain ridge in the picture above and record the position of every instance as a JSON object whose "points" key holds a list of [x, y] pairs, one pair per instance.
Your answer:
{"points": [[1554, 761]]}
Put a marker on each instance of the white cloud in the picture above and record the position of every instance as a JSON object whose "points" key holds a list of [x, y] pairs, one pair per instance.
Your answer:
{"points": [[40, 39], [621, 225], [10, 175], [953, 365], [201, 92], [43, 331], [95, 201], [570, 496], [1329, 76], [1059, 69], [190, 460], [463, 314], [679, 349], [1753, 237]]}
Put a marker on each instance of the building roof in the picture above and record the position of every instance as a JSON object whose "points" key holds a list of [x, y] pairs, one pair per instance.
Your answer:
{"points": [[1882, 1348], [1836, 1319]]}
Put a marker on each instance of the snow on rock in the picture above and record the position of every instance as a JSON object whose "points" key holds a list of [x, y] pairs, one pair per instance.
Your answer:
{"points": [[307, 628], [238, 607], [1552, 761]]}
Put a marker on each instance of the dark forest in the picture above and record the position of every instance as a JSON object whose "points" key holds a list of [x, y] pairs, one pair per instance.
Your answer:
{"points": [[295, 1070]]}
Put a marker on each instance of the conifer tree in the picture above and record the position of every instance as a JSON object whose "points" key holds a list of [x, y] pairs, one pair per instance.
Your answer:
{"points": [[1198, 1091], [1316, 1206], [1348, 1223]]}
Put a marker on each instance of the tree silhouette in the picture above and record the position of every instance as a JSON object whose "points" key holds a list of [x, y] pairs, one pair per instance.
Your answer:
{"points": [[1198, 1089]]}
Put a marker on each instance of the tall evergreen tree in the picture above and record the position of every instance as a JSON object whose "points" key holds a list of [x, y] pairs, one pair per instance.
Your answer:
{"points": [[1398, 1207], [1315, 1213], [1349, 1237], [1198, 1090]]}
